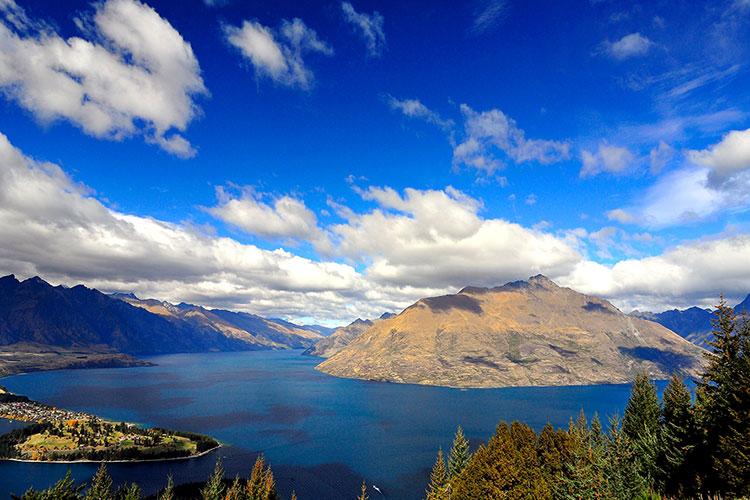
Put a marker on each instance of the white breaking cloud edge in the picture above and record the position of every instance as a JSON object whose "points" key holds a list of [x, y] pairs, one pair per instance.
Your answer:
{"points": [[489, 132], [368, 26], [414, 108], [134, 75], [411, 244], [278, 54]]}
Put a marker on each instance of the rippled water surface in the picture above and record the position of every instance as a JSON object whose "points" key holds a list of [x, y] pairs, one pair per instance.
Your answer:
{"points": [[322, 434]]}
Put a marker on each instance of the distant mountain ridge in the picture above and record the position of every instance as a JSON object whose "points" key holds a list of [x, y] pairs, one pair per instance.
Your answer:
{"points": [[523, 333], [33, 311], [693, 323], [342, 337]]}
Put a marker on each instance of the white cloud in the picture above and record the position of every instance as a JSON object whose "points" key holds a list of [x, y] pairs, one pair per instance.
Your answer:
{"points": [[437, 239], [135, 75], [52, 226], [369, 27], [278, 54], [530, 199], [610, 159], [411, 244], [726, 158], [285, 218], [632, 45], [693, 273], [489, 131], [414, 108]]}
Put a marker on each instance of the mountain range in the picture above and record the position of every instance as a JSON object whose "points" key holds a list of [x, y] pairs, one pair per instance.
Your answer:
{"points": [[81, 322], [693, 323], [523, 333]]}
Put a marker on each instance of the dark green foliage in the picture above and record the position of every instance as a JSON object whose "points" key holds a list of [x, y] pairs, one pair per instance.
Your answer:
{"points": [[676, 460], [101, 485], [459, 454], [621, 472], [641, 424], [723, 409], [438, 479]]}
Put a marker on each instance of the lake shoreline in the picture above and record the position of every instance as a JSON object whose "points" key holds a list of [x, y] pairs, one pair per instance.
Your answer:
{"points": [[27, 461]]}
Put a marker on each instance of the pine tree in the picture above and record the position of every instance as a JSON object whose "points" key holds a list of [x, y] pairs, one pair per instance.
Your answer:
{"points": [[459, 455], [675, 461], [622, 478], [554, 451], [214, 488], [641, 425], [64, 489], [506, 467], [732, 463], [236, 491], [261, 485], [438, 479], [723, 408], [101, 485], [582, 475], [168, 493], [363, 492], [129, 492]]}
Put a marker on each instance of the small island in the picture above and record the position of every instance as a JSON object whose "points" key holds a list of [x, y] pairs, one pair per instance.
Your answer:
{"points": [[59, 435]]}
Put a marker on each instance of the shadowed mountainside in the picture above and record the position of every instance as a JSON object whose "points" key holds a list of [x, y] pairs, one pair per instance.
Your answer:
{"points": [[34, 312], [522, 333]]}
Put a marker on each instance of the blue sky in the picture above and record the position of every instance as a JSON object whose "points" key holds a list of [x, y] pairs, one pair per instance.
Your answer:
{"points": [[391, 149]]}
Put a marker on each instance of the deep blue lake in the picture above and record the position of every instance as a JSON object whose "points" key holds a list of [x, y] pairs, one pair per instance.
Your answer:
{"points": [[321, 434]]}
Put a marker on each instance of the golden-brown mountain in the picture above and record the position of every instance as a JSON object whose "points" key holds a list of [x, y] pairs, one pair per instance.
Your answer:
{"points": [[523, 333]]}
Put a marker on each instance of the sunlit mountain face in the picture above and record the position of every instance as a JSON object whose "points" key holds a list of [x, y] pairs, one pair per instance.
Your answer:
{"points": [[327, 161]]}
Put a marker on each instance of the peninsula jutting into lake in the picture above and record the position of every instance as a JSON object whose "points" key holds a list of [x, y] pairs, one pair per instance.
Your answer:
{"points": [[59, 435]]}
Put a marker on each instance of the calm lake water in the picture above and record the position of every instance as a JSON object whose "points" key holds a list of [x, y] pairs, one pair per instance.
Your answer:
{"points": [[321, 434]]}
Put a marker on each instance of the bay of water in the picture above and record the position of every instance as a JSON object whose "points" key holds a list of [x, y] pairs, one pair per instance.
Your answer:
{"points": [[321, 434]]}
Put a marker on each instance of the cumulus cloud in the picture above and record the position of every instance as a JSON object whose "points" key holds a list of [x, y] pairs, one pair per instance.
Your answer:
{"points": [[489, 132], [134, 75], [607, 158], [368, 26], [53, 226], [631, 45], [692, 273], [278, 54], [436, 238], [413, 108], [285, 217], [726, 158], [408, 244]]}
